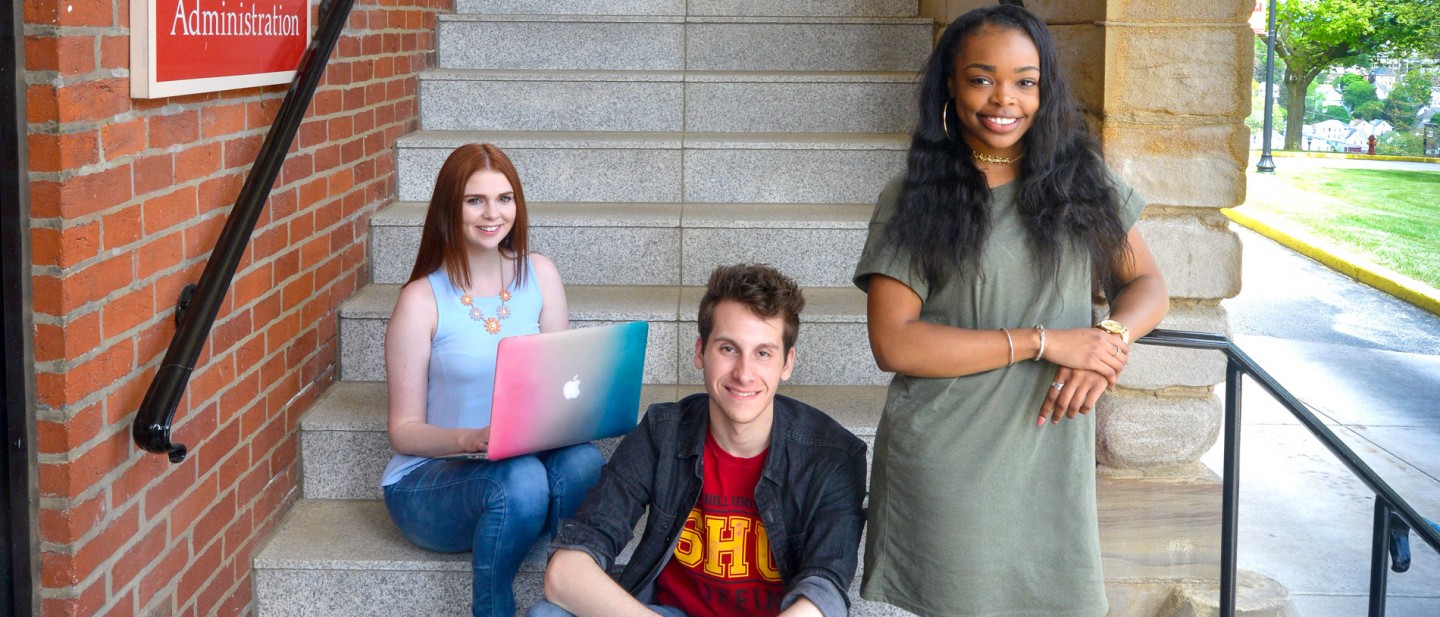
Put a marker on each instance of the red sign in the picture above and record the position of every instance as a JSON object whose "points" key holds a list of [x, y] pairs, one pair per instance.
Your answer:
{"points": [[189, 46]]}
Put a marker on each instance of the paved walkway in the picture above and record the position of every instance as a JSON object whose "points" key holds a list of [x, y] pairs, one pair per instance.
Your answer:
{"points": [[1369, 366]]}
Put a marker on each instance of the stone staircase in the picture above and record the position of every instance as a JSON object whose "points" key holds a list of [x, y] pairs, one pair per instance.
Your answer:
{"points": [[656, 140]]}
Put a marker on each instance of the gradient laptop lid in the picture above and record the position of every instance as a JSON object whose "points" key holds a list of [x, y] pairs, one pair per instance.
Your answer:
{"points": [[561, 388]]}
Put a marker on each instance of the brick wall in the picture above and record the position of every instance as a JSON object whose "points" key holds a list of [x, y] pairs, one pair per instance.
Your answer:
{"points": [[127, 199]]}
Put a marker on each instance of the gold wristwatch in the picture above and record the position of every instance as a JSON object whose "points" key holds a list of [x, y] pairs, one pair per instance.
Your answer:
{"points": [[1115, 327]]}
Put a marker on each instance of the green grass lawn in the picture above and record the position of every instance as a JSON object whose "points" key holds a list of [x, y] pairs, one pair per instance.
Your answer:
{"points": [[1390, 216]]}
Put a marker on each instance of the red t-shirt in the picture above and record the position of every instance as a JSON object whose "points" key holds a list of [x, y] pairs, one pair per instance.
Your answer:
{"points": [[722, 566]]}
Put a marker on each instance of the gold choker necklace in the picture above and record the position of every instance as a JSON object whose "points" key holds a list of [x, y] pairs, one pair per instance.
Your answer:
{"points": [[995, 160]]}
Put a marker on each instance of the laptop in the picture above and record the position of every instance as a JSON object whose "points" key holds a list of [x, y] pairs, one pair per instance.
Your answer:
{"points": [[561, 388]]}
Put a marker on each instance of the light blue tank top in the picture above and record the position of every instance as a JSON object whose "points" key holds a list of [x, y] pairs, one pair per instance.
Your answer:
{"points": [[461, 381]]}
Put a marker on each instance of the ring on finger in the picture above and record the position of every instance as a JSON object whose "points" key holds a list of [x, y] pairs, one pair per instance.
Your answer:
{"points": [[1057, 385], [1117, 352]]}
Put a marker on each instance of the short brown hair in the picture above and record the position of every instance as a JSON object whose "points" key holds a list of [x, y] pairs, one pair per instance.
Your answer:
{"points": [[762, 289]]}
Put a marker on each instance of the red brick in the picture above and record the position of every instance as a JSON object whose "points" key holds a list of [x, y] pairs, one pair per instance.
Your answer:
{"points": [[189, 508], [242, 151], [41, 53], [125, 398], [70, 480], [154, 173], [87, 14], [44, 149], [163, 494], [222, 120], [311, 133], [147, 470], [115, 50], [169, 210], [176, 557], [179, 128], [89, 602], [41, 104], [296, 169], [68, 525], [79, 149], [93, 100], [200, 237], [121, 228], [261, 114], [118, 533], [197, 162], [128, 311], [123, 138], [76, 53], [97, 373], [88, 194], [160, 254], [96, 281], [219, 192], [144, 551]]}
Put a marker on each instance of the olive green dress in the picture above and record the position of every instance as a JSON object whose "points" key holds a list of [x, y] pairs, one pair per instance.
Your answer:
{"points": [[975, 510]]}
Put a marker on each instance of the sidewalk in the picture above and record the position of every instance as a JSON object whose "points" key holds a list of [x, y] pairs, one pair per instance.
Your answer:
{"points": [[1369, 366]]}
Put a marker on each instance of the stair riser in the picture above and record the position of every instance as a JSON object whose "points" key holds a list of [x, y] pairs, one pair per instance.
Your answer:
{"points": [[830, 353], [348, 464], [756, 8], [710, 175], [570, 7], [652, 256], [597, 105], [563, 174], [807, 47], [581, 105], [669, 45], [601, 46]]}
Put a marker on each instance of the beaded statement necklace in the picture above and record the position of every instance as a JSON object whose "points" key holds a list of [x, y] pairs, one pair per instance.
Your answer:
{"points": [[995, 160], [492, 324]]}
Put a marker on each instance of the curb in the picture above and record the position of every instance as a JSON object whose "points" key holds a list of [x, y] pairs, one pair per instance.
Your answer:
{"points": [[1305, 154], [1381, 278]]}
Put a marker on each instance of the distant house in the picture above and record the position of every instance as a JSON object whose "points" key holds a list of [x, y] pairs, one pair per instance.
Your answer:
{"points": [[1367, 128], [1384, 79], [1330, 130]]}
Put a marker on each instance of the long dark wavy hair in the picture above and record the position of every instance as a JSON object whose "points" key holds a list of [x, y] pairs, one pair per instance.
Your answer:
{"points": [[442, 238], [1064, 192]]}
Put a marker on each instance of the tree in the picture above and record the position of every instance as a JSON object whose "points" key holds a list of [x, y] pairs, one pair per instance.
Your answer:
{"points": [[1410, 94], [1357, 94], [1315, 35], [1400, 143], [1371, 110], [1336, 112]]}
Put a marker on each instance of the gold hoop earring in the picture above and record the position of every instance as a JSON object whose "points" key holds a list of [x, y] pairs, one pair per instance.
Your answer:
{"points": [[944, 124]]}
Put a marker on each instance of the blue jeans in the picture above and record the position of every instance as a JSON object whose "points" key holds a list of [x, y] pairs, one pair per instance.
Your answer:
{"points": [[546, 609], [496, 510]]}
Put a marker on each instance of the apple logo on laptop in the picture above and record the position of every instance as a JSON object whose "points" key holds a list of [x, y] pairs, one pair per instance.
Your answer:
{"points": [[572, 388]]}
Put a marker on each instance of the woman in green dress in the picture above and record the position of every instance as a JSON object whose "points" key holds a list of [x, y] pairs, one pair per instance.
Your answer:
{"points": [[982, 267]]}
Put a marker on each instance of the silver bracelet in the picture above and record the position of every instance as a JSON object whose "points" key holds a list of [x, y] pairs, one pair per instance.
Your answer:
{"points": [[1011, 341], [1040, 354]]}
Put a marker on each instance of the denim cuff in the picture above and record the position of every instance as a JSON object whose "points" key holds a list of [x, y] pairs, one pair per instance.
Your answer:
{"points": [[572, 537], [822, 593]]}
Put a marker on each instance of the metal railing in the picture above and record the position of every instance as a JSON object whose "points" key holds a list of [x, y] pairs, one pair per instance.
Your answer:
{"points": [[1394, 517], [198, 304]]}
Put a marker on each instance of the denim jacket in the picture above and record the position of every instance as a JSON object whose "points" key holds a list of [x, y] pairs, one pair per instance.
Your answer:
{"points": [[809, 495]]}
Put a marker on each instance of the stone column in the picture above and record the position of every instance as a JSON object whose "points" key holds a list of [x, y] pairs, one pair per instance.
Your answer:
{"points": [[1174, 100]]}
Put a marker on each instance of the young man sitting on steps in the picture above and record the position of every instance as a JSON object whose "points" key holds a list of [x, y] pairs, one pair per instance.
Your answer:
{"points": [[753, 499]]}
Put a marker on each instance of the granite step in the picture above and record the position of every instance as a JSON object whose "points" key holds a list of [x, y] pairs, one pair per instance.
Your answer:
{"points": [[721, 101], [834, 348], [672, 167], [1160, 541], [344, 448], [672, 43], [784, 8], [664, 244]]}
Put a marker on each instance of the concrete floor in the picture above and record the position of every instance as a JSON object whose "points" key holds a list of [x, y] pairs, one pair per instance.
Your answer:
{"points": [[1369, 367]]}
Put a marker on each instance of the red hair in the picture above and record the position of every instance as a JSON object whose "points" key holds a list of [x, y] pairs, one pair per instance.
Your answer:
{"points": [[442, 239]]}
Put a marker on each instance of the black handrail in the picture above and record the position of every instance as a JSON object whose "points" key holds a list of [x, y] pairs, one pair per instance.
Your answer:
{"points": [[1392, 513], [151, 429]]}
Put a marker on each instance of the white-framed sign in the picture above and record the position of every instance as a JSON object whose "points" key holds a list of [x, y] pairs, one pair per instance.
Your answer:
{"points": [[188, 46]]}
